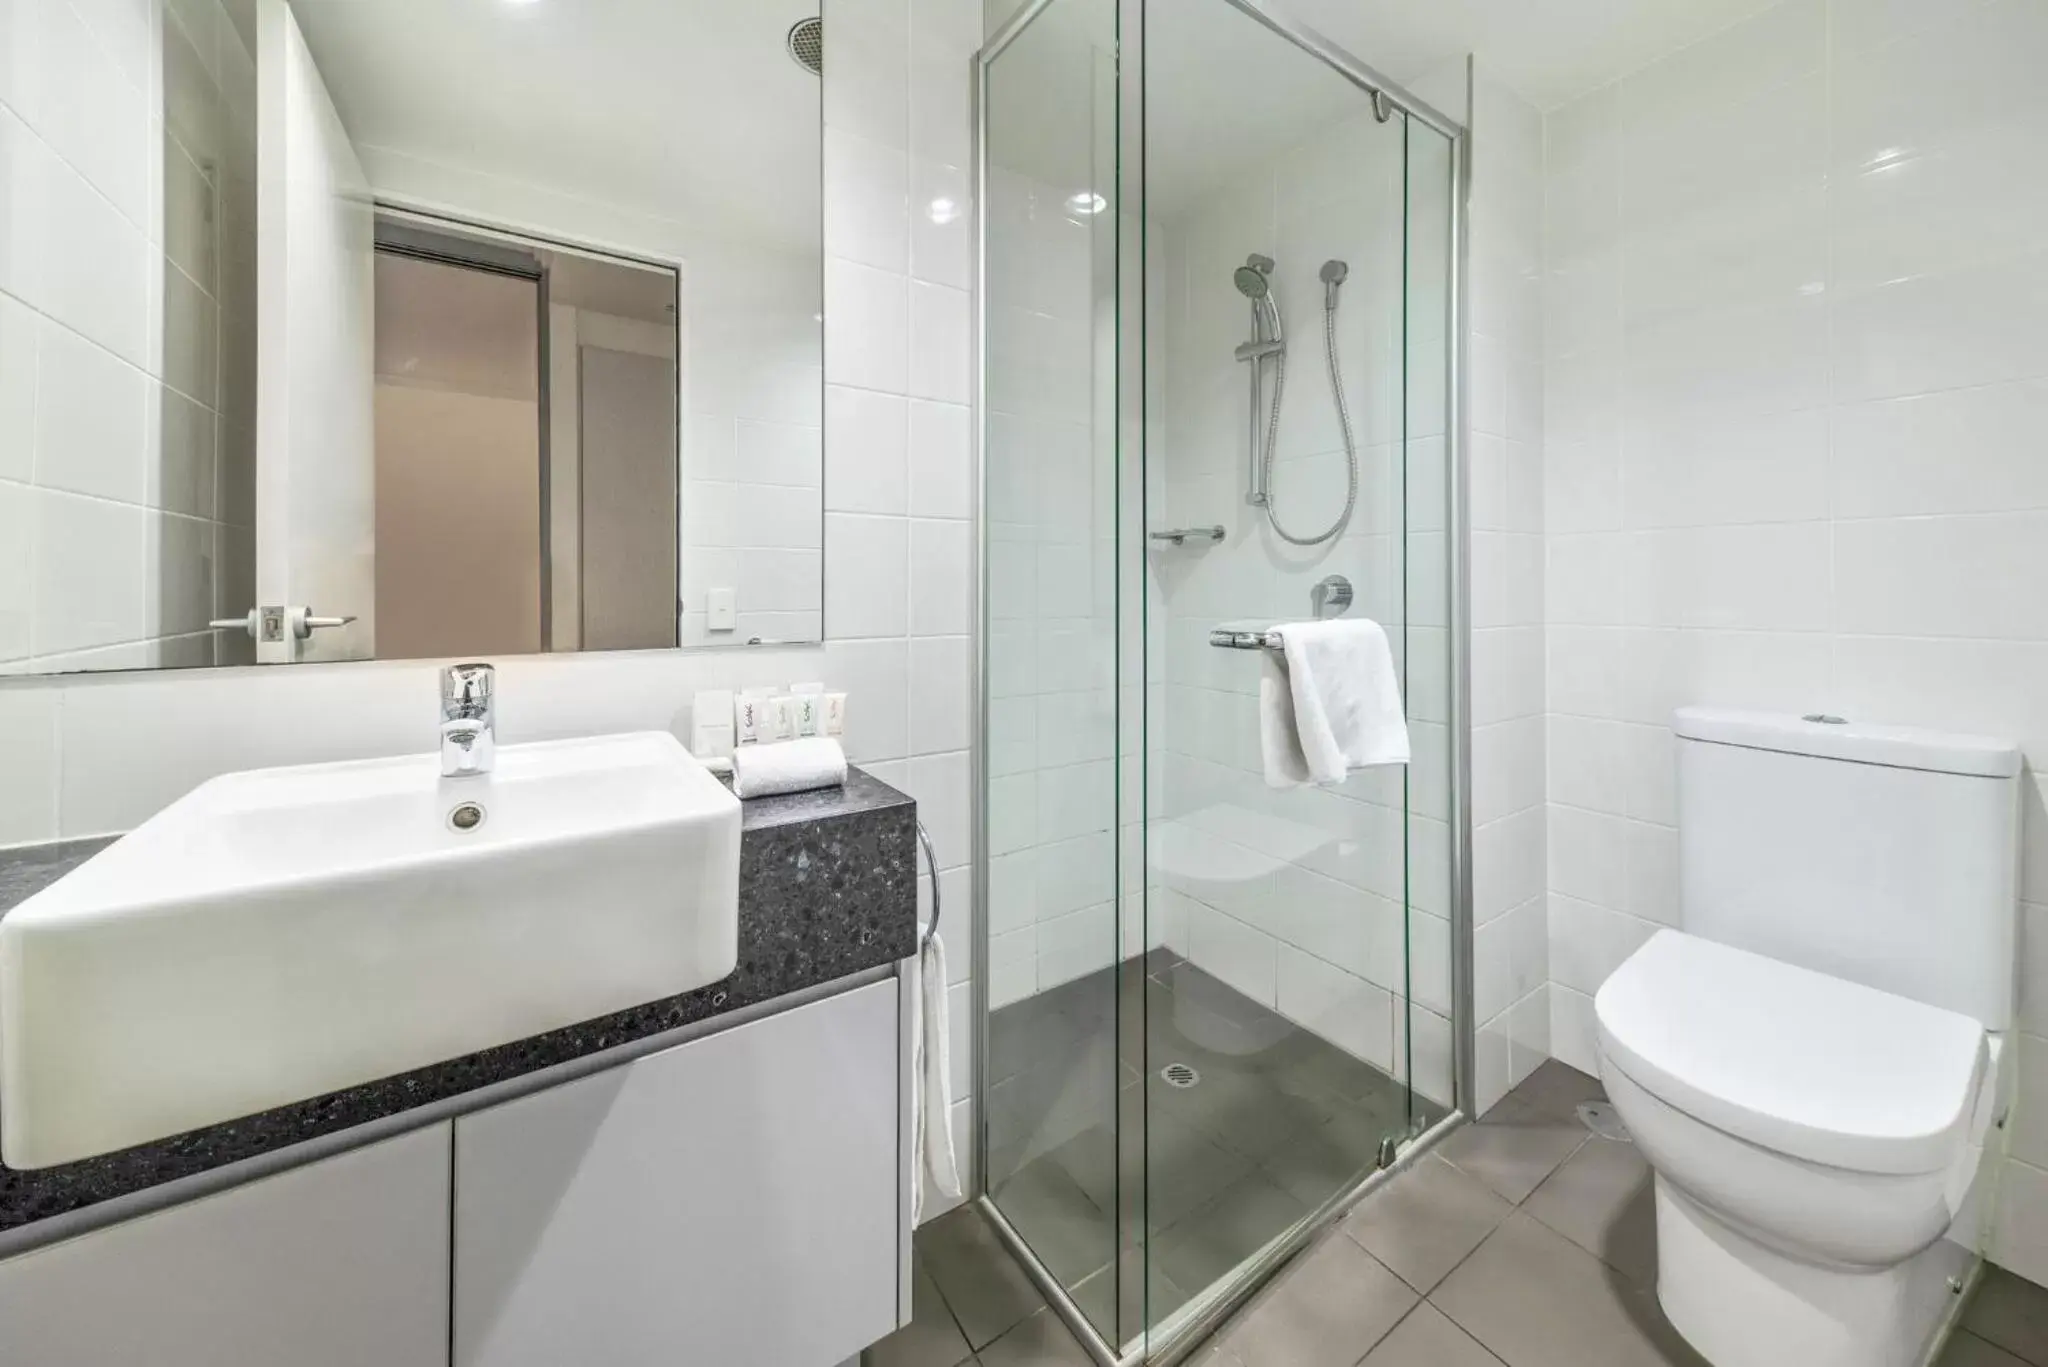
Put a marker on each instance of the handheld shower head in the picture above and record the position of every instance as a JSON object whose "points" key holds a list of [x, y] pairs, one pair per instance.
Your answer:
{"points": [[1254, 280], [1254, 277], [1333, 274]]}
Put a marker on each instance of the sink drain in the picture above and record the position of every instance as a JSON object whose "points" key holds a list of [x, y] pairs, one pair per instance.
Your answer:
{"points": [[1179, 1075], [1600, 1118], [466, 817]]}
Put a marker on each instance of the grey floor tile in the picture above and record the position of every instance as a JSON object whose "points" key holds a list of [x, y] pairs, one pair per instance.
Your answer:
{"points": [[1182, 1170], [1602, 1199], [1426, 1221], [1967, 1350], [1070, 1234], [1315, 1064], [1427, 1338], [1055, 1099], [1326, 1309], [1090, 1159], [1513, 1156], [1040, 1341], [981, 1283], [1319, 1162], [1122, 1301], [1209, 1244], [1245, 1111], [931, 1339], [2011, 1313], [1553, 1093], [1535, 1299]]}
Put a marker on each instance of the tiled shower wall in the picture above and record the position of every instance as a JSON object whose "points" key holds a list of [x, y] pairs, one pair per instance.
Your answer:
{"points": [[1295, 898], [1511, 991], [1052, 593], [1796, 351]]}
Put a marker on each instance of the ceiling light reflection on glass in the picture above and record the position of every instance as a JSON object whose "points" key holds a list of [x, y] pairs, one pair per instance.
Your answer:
{"points": [[944, 210], [1086, 202]]}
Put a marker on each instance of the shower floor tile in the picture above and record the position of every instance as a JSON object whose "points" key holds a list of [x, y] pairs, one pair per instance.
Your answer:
{"points": [[1275, 1122]]}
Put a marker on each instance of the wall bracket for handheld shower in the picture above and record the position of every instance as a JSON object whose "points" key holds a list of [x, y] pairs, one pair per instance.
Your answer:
{"points": [[1333, 274]]}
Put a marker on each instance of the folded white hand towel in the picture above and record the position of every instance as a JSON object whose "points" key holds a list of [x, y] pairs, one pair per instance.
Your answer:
{"points": [[931, 1126], [1329, 703], [790, 766]]}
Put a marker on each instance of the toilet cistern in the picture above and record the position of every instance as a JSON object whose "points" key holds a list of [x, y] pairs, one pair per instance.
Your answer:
{"points": [[469, 720]]}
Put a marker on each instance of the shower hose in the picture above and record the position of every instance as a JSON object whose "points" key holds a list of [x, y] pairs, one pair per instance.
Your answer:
{"points": [[1344, 420]]}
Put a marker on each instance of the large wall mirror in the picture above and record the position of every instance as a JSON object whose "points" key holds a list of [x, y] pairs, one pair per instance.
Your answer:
{"points": [[389, 329]]}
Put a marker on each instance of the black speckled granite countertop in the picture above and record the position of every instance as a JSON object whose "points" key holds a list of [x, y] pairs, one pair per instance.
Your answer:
{"points": [[828, 888]]}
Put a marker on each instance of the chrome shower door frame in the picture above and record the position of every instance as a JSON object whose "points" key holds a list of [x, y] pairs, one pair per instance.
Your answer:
{"points": [[1190, 1334]]}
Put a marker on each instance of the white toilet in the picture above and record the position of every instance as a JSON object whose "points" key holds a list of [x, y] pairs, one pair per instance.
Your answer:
{"points": [[1812, 1065]]}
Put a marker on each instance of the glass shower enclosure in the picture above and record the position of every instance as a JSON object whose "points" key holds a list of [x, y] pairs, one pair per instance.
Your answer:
{"points": [[1219, 331]]}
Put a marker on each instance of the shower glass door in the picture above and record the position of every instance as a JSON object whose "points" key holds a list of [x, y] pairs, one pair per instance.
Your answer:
{"points": [[1296, 261], [1051, 1071], [1218, 322]]}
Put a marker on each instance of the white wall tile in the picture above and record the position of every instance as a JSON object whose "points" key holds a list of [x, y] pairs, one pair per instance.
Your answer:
{"points": [[866, 435], [2020, 1230], [90, 576], [1246, 959], [1349, 1012], [1943, 576], [939, 694], [1974, 325], [941, 349], [867, 565], [1589, 942], [28, 737], [17, 390], [941, 581], [1963, 451], [867, 200], [941, 784], [17, 571], [867, 326], [941, 224], [1574, 1036], [875, 676], [941, 459]]}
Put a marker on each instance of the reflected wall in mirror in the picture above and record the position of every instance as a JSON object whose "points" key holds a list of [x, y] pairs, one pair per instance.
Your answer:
{"points": [[354, 329]]}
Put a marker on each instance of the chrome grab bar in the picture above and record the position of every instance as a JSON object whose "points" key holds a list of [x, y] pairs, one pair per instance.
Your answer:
{"points": [[1179, 535]]}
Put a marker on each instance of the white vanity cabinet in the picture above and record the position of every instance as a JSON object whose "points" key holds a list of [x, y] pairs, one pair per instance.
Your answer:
{"points": [[340, 1263], [732, 1201]]}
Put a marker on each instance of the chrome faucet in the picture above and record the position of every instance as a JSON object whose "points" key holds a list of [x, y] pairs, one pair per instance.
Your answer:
{"points": [[469, 720]]}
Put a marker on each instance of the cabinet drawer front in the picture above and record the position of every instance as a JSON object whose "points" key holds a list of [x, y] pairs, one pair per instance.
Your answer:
{"points": [[730, 1201], [340, 1263]]}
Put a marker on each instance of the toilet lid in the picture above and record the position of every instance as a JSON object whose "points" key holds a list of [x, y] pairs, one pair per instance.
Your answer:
{"points": [[1798, 1062]]}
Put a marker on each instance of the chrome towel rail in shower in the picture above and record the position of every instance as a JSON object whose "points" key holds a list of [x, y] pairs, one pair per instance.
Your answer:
{"points": [[1226, 639]]}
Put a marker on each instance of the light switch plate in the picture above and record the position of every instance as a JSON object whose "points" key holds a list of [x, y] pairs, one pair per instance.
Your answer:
{"points": [[721, 610]]}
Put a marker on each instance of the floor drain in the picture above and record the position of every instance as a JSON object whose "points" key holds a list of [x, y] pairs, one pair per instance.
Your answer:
{"points": [[1601, 1119], [1179, 1075]]}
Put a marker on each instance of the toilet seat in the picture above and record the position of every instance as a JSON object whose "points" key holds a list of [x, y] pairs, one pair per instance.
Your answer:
{"points": [[1795, 1062]]}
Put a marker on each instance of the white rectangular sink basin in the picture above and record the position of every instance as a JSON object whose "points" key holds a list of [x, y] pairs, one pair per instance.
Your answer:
{"points": [[285, 933]]}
